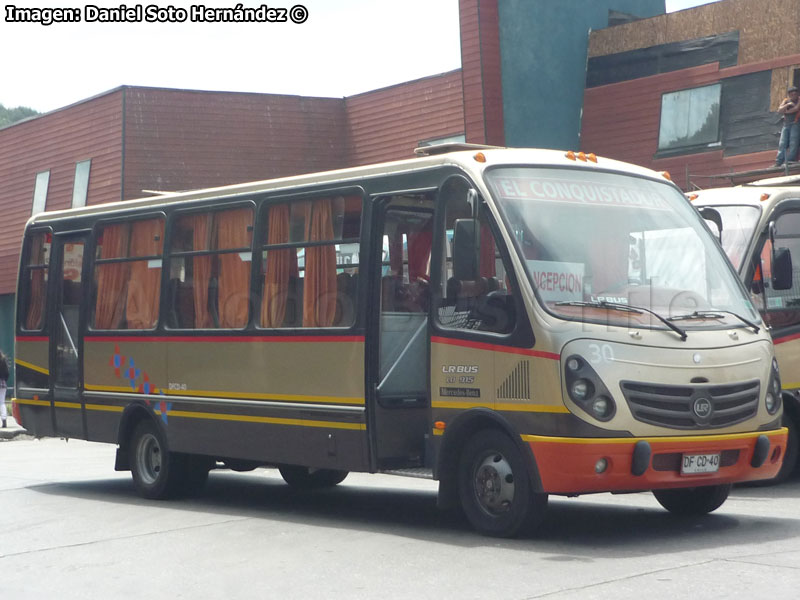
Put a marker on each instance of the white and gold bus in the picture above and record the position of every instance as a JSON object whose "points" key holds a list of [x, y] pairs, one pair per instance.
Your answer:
{"points": [[758, 225], [512, 323]]}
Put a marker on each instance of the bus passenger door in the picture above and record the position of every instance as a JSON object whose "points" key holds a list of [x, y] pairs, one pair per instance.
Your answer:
{"points": [[400, 410], [65, 335]]}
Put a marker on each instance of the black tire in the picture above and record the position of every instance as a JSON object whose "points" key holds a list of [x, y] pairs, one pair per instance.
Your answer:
{"points": [[789, 466], [194, 472], [157, 473], [306, 478], [693, 501], [494, 487]]}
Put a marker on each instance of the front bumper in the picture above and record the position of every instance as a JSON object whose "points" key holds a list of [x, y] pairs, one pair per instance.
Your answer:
{"points": [[567, 465]]}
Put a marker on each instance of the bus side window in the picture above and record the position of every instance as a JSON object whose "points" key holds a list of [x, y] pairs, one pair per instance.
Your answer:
{"points": [[210, 262], [476, 293], [33, 283], [779, 308], [127, 274], [310, 262]]}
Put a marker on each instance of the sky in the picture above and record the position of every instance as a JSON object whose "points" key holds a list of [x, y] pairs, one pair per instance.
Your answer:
{"points": [[344, 47]]}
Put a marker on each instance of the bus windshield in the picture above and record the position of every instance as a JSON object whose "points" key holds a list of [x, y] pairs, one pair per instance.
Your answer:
{"points": [[591, 240], [738, 225]]}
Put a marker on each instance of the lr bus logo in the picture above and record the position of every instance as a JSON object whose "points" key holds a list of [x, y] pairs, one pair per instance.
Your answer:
{"points": [[702, 408]]}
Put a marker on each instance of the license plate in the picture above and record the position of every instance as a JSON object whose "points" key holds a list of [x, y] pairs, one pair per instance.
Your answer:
{"points": [[699, 463]]}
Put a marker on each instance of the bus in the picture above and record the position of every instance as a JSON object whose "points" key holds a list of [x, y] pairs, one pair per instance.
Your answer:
{"points": [[511, 323], [758, 225]]}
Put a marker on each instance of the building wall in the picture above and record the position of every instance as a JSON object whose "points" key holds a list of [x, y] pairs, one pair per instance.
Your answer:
{"points": [[481, 76], [56, 141], [621, 121], [768, 28], [179, 139], [543, 47], [387, 124]]}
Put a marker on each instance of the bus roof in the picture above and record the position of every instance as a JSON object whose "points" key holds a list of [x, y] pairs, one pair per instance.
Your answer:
{"points": [[465, 159], [751, 194]]}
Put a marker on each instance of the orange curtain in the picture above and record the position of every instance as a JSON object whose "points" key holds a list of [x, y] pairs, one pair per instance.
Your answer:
{"points": [[36, 299], [319, 294], [278, 268], [201, 271], [234, 230], [144, 287], [112, 278]]}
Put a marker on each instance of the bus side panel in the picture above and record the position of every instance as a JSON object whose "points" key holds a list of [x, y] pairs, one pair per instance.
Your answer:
{"points": [[32, 371], [522, 384], [293, 400], [110, 370]]}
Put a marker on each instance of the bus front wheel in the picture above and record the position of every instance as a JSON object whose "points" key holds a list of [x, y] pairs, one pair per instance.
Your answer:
{"points": [[156, 472], [493, 484], [693, 501], [307, 478]]}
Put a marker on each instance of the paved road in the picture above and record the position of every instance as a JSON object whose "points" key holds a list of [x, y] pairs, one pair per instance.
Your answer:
{"points": [[72, 526]]}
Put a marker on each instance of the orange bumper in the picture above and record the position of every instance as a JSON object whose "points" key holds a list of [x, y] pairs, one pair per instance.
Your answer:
{"points": [[568, 465]]}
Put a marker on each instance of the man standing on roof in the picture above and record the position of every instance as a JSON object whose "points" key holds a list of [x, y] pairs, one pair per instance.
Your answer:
{"points": [[790, 134]]}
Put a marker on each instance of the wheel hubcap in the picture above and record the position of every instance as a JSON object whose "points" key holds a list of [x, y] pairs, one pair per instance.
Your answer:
{"points": [[148, 458], [494, 484]]}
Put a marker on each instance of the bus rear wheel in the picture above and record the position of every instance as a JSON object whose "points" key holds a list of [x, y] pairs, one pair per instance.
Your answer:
{"points": [[495, 491], [156, 471], [306, 478], [693, 501]]}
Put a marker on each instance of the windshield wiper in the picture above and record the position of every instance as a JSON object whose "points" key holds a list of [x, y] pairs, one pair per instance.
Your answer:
{"points": [[715, 314], [625, 308]]}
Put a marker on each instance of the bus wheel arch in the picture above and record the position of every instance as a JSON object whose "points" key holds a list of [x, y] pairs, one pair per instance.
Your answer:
{"points": [[458, 434], [131, 416]]}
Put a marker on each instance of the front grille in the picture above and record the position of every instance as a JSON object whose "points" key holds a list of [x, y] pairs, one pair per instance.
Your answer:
{"points": [[692, 407]]}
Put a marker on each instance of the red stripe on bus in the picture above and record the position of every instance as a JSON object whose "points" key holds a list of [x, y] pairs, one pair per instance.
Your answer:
{"points": [[227, 338], [495, 348], [32, 338], [788, 338]]}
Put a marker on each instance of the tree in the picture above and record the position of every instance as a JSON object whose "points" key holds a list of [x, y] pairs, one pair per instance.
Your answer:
{"points": [[12, 115]]}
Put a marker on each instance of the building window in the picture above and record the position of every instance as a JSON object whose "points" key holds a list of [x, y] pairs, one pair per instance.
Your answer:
{"points": [[689, 118], [40, 192], [80, 188]]}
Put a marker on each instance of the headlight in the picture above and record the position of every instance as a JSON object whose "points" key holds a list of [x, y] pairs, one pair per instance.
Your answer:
{"points": [[580, 390], [601, 407], [772, 399], [587, 390]]}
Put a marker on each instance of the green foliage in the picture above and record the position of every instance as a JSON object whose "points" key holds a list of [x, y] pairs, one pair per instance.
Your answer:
{"points": [[12, 115]]}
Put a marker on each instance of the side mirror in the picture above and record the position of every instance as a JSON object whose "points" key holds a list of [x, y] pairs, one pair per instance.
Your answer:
{"points": [[465, 250], [781, 269], [712, 216]]}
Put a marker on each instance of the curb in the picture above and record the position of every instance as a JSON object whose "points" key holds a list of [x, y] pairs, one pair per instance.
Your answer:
{"points": [[10, 434]]}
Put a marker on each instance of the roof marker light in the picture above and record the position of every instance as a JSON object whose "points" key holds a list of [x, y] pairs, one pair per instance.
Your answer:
{"points": [[764, 196], [692, 197], [570, 155], [592, 157], [582, 156], [666, 175], [480, 157]]}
